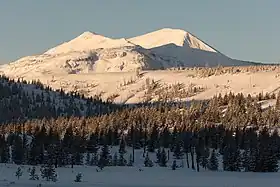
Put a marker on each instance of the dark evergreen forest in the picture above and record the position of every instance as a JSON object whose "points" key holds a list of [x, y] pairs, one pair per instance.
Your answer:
{"points": [[42, 126]]}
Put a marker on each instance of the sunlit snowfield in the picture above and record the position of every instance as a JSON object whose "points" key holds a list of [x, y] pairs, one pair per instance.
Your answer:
{"points": [[139, 176]]}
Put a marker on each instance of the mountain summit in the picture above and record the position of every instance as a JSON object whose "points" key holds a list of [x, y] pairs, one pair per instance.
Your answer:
{"points": [[88, 41], [93, 53], [170, 36]]}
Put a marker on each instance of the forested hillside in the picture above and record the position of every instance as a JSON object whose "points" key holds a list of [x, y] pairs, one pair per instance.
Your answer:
{"points": [[235, 128], [22, 101]]}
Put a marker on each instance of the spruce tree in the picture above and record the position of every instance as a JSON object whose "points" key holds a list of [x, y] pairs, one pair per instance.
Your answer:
{"points": [[104, 159], [94, 160], [33, 175], [78, 177], [147, 161], [204, 158], [18, 150], [88, 159], [122, 161], [163, 158], [115, 160], [178, 150], [5, 155], [213, 162], [18, 172], [122, 146], [174, 165], [130, 162], [158, 155], [48, 172], [246, 160]]}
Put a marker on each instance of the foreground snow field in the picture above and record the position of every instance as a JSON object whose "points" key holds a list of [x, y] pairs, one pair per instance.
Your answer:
{"points": [[149, 177]]}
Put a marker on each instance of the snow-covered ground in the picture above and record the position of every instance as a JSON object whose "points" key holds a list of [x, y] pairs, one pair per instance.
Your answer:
{"points": [[114, 83], [149, 177], [133, 177]]}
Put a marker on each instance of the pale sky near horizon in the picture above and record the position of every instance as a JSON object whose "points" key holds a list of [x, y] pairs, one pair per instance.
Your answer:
{"points": [[241, 29]]}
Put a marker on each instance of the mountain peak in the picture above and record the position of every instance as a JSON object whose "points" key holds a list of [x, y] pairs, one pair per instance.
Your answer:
{"points": [[87, 35], [167, 36]]}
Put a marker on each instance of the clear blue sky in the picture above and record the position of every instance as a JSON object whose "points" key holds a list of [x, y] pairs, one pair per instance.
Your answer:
{"points": [[242, 29]]}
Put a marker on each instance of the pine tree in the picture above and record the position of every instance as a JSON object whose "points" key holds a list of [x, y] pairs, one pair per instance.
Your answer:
{"points": [[246, 160], [104, 159], [158, 155], [174, 165], [88, 159], [147, 161], [115, 160], [153, 139], [94, 160], [178, 150], [204, 158], [122, 161], [78, 177], [213, 162], [253, 160], [122, 146], [5, 156], [19, 172], [163, 158], [18, 150], [130, 163], [48, 172], [32, 174]]}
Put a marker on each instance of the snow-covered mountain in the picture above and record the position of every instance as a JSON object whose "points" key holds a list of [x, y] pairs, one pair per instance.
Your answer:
{"points": [[93, 64], [90, 52]]}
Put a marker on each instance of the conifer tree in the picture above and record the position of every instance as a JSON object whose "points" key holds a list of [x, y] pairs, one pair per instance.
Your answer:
{"points": [[18, 150], [122, 146], [174, 165], [48, 172], [88, 159], [130, 162], [104, 159], [33, 175], [204, 157], [147, 161], [246, 160], [94, 160], [158, 155], [178, 150], [121, 161], [163, 158], [19, 172], [78, 177], [115, 160], [5, 156], [213, 162]]}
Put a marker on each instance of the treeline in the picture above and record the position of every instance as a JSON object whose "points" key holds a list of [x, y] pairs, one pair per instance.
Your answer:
{"points": [[220, 70], [232, 127]]}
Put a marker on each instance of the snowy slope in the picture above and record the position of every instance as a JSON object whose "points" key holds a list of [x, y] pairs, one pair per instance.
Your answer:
{"points": [[90, 52], [170, 36], [183, 48], [131, 89], [88, 41], [132, 177], [93, 64]]}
